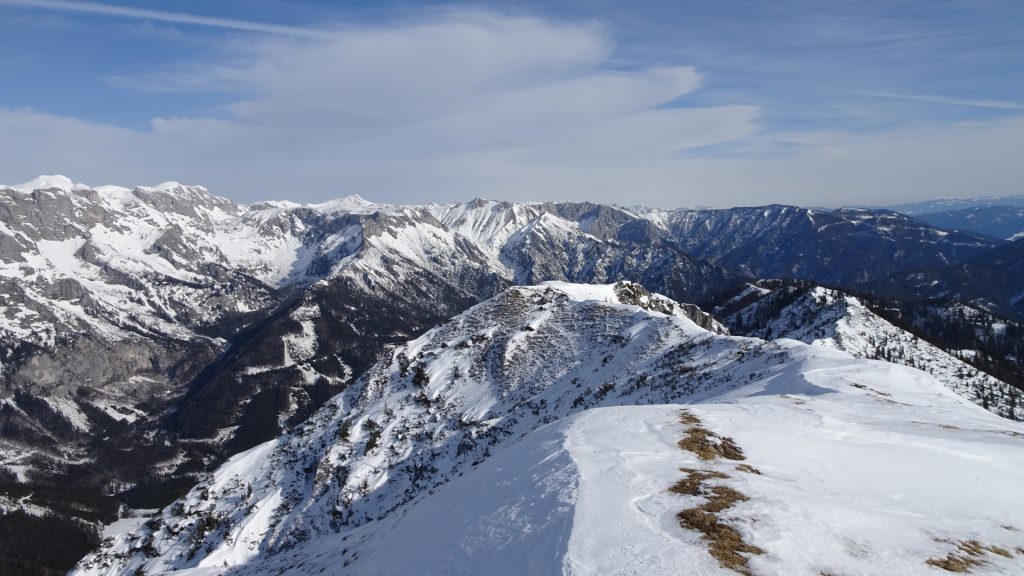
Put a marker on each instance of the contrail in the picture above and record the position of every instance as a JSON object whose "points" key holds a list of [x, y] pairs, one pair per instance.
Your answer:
{"points": [[1001, 104], [162, 16]]}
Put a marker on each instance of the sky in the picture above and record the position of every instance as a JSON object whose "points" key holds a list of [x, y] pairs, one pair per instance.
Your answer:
{"points": [[670, 104]]}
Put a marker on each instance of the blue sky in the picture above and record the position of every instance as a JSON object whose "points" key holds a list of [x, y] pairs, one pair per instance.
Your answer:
{"points": [[663, 103]]}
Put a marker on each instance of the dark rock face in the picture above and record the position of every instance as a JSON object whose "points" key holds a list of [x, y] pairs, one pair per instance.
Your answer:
{"points": [[10, 249], [131, 367], [637, 295]]}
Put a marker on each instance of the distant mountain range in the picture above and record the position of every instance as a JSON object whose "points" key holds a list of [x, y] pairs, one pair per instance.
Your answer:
{"points": [[997, 221], [991, 281], [999, 217], [837, 247], [954, 204]]}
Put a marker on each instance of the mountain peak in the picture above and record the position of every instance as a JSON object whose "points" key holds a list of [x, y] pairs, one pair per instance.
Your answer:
{"points": [[171, 186], [47, 182], [350, 203]]}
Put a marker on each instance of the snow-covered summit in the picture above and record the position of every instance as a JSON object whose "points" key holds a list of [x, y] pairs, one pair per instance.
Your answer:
{"points": [[171, 186], [64, 184], [47, 182], [352, 203]]}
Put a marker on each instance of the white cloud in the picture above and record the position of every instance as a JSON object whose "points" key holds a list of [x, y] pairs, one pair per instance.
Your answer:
{"points": [[468, 104]]}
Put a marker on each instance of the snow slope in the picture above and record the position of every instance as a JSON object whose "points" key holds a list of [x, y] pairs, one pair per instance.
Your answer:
{"points": [[832, 318], [512, 440], [846, 485]]}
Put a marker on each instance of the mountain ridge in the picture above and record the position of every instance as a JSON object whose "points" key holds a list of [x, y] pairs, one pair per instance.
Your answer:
{"points": [[440, 408]]}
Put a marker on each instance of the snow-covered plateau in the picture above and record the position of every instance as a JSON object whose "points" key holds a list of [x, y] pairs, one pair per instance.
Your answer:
{"points": [[566, 429]]}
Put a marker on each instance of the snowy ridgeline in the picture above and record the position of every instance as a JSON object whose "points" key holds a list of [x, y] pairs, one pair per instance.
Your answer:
{"points": [[540, 431]]}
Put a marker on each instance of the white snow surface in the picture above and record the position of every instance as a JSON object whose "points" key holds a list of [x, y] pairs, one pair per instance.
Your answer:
{"points": [[585, 292], [129, 520], [487, 447]]}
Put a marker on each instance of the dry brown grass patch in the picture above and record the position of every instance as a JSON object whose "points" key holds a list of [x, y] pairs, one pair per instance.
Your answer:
{"points": [[706, 444], [692, 483], [748, 469], [796, 399], [975, 548], [689, 419], [724, 542], [969, 555], [955, 563], [870, 389]]}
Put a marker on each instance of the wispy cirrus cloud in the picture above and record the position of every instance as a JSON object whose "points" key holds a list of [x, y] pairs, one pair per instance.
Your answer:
{"points": [[448, 104], [460, 104], [933, 99], [98, 8]]}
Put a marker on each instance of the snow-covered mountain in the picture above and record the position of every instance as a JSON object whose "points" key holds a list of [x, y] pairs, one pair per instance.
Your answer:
{"points": [[996, 221], [949, 204], [832, 247], [826, 317], [544, 431], [993, 281], [180, 327]]}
